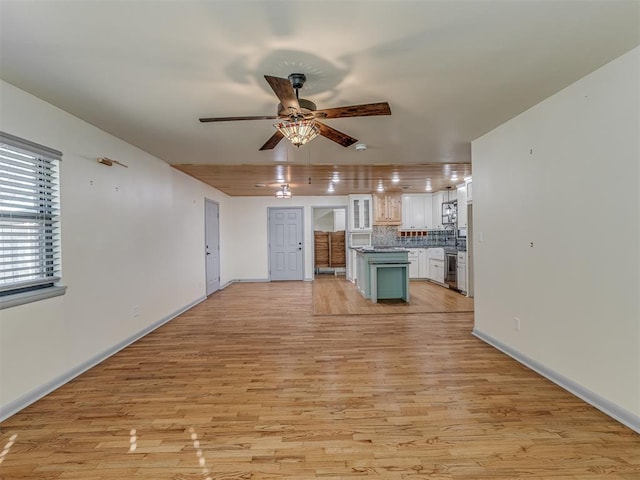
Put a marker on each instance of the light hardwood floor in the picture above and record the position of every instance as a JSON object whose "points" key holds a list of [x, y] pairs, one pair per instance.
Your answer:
{"points": [[250, 384], [331, 297]]}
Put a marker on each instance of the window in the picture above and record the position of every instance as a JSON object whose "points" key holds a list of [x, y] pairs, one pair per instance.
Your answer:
{"points": [[29, 222]]}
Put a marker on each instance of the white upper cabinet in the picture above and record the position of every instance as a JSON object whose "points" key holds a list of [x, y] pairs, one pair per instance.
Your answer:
{"points": [[360, 212], [462, 206], [416, 212], [438, 198]]}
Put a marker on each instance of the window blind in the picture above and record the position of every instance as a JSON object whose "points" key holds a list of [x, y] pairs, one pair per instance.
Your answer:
{"points": [[29, 215]]}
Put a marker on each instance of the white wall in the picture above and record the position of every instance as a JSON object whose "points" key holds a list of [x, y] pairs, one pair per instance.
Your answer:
{"points": [[130, 237], [323, 220], [564, 176], [250, 250]]}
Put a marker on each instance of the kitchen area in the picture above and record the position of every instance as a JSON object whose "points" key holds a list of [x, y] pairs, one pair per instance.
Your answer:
{"points": [[432, 229]]}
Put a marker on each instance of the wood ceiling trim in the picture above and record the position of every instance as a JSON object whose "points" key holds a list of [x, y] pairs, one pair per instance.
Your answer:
{"points": [[240, 180]]}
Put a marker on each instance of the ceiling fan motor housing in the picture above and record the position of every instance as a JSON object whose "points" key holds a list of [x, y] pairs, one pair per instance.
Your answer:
{"points": [[307, 106], [297, 80]]}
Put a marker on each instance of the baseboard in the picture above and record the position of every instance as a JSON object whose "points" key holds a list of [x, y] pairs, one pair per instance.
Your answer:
{"points": [[616, 412], [37, 393], [254, 280], [250, 280]]}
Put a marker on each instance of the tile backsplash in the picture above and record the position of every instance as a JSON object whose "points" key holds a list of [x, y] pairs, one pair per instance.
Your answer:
{"points": [[383, 235]]}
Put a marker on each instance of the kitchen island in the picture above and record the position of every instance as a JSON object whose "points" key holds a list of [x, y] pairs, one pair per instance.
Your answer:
{"points": [[382, 273]]}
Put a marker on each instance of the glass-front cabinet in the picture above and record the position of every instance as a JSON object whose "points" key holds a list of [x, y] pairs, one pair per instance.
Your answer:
{"points": [[360, 213]]}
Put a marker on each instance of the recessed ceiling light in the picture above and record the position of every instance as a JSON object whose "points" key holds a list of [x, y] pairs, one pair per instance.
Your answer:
{"points": [[259, 185], [395, 178], [331, 189]]}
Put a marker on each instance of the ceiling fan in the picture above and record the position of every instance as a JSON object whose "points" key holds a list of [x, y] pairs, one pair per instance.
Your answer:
{"points": [[294, 109]]}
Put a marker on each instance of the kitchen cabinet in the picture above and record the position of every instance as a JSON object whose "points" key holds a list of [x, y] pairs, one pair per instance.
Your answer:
{"points": [[416, 212], [352, 268], [414, 263], [436, 270], [387, 209], [423, 263], [435, 264], [462, 271], [436, 210], [382, 274], [462, 206], [360, 213], [418, 263], [355, 239]]}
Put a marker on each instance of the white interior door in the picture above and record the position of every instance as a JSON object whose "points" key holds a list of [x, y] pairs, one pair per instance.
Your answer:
{"points": [[286, 245], [212, 245]]}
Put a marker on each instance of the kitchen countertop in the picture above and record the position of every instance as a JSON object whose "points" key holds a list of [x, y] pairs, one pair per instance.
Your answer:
{"points": [[380, 249], [411, 247]]}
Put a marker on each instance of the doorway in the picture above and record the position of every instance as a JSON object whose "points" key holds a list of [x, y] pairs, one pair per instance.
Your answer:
{"points": [[329, 240], [212, 245], [286, 244]]}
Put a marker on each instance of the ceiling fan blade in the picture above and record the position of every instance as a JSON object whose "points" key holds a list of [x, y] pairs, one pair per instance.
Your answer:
{"points": [[333, 134], [365, 110], [233, 119], [284, 91], [273, 141]]}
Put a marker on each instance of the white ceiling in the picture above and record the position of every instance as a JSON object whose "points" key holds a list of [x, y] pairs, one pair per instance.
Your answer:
{"points": [[145, 71]]}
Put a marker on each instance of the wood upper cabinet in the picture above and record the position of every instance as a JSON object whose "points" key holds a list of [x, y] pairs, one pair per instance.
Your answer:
{"points": [[387, 209]]}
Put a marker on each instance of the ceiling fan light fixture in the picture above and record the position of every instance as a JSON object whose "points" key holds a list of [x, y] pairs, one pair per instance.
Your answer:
{"points": [[284, 192], [298, 130]]}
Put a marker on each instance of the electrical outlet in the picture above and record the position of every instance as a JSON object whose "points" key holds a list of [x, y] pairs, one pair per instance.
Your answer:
{"points": [[135, 311], [516, 324]]}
